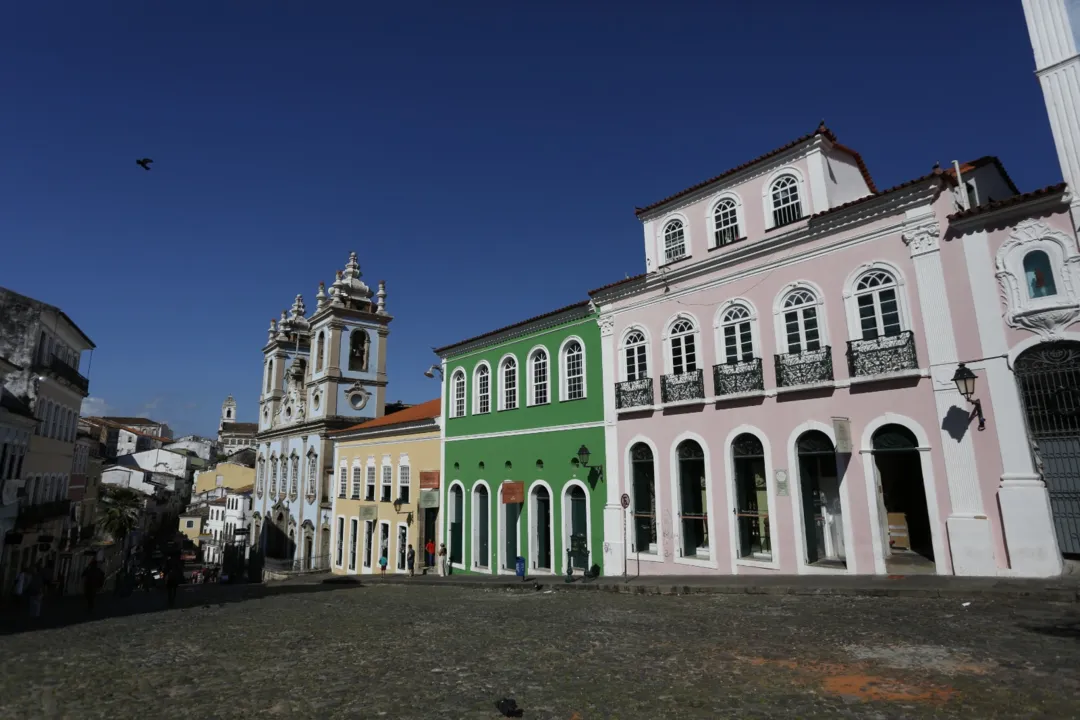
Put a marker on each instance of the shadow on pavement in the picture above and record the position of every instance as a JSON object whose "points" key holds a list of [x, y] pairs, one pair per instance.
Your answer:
{"points": [[1069, 629], [71, 610]]}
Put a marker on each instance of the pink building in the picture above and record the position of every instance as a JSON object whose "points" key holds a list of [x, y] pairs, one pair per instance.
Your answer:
{"points": [[782, 383]]}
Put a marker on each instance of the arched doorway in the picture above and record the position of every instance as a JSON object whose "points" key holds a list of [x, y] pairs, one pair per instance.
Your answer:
{"points": [[823, 522], [576, 521], [541, 526], [1049, 380], [693, 518], [481, 527], [751, 498], [643, 494], [909, 538], [511, 531], [457, 523]]}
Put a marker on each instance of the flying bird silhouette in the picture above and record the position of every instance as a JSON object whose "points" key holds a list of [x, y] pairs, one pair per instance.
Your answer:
{"points": [[145, 163]]}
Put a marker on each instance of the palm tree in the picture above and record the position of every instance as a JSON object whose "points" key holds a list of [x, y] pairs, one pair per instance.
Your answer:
{"points": [[121, 508]]}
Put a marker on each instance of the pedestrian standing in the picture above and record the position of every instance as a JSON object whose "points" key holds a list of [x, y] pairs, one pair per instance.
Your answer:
{"points": [[382, 564], [442, 559], [430, 547], [410, 560], [35, 590], [93, 579]]}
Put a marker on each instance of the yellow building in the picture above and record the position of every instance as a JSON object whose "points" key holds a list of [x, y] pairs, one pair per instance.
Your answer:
{"points": [[192, 523], [228, 475], [385, 490]]}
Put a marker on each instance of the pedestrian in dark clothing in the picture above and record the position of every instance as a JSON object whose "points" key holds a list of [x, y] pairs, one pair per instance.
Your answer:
{"points": [[93, 579], [174, 575], [410, 560]]}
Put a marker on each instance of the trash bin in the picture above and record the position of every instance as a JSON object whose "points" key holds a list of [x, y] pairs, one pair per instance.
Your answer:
{"points": [[521, 568]]}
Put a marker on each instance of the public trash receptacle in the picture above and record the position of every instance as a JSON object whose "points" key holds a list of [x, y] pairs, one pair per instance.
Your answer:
{"points": [[521, 568]]}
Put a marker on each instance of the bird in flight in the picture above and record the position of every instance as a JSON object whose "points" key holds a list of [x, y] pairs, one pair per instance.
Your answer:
{"points": [[145, 163]]}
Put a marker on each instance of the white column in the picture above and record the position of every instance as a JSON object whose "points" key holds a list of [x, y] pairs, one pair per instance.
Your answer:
{"points": [[1055, 32], [614, 547], [1027, 522], [968, 526]]}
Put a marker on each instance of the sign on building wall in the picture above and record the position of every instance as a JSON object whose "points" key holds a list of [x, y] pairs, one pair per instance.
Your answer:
{"points": [[842, 430], [429, 498], [368, 512], [429, 479], [513, 492], [782, 483]]}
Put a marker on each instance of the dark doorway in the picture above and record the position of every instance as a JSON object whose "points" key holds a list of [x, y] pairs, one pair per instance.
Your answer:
{"points": [[823, 521], [910, 544], [643, 477], [483, 526], [511, 530], [431, 517], [692, 513], [457, 522], [542, 509], [751, 498], [579, 528]]}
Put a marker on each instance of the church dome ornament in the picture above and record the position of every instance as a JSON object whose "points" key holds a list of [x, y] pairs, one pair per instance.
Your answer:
{"points": [[348, 289]]}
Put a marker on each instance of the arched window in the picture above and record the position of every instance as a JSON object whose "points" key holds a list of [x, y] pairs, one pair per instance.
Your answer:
{"points": [[683, 347], [538, 387], [482, 388], [359, 349], [1039, 275], [801, 322], [508, 396], [457, 394], [573, 371], [674, 241], [735, 329], [643, 481], [692, 504], [751, 497], [786, 206], [294, 485], [637, 367], [726, 222], [879, 312], [273, 476], [320, 351], [260, 477], [313, 469]]}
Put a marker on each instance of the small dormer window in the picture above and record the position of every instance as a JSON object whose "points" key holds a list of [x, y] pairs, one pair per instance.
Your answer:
{"points": [[674, 241], [1038, 275], [787, 207]]}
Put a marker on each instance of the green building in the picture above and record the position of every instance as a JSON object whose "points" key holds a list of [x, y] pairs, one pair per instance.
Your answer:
{"points": [[521, 406]]}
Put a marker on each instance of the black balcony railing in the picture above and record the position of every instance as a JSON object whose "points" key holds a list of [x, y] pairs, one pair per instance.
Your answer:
{"points": [[738, 377], [805, 368], [882, 355], [634, 393], [681, 387], [32, 515], [63, 371]]}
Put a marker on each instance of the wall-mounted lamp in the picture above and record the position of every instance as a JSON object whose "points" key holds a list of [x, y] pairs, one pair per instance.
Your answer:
{"points": [[583, 455], [430, 372], [965, 384]]}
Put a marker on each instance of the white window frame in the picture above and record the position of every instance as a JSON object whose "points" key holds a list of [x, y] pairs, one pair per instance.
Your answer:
{"points": [[567, 523], [622, 373], [357, 471], [401, 554], [371, 482], [502, 382], [775, 525], [477, 400], [710, 503], [404, 473], [851, 301], [740, 218], [458, 396], [669, 360], [800, 185], [386, 478], [564, 370], [720, 348], [532, 515], [661, 239], [531, 377], [778, 316], [475, 528], [343, 481]]}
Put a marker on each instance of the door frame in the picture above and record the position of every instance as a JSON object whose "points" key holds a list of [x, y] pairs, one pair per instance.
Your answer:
{"points": [[533, 529], [568, 522], [475, 527], [799, 522]]}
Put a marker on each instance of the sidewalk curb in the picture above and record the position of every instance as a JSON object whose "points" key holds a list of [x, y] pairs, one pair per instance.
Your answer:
{"points": [[1063, 595]]}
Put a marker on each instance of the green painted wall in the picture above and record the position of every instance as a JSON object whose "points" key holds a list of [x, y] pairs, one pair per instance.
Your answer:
{"points": [[518, 457]]}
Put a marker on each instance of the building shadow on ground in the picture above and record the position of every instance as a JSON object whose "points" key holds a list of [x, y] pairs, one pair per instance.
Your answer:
{"points": [[72, 610]]}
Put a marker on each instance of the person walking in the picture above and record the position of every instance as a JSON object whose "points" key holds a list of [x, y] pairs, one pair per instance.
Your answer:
{"points": [[93, 578], [173, 576], [410, 560], [430, 547], [442, 559]]}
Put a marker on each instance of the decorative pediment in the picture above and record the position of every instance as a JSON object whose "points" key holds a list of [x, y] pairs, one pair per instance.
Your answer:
{"points": [[1038, 274]]}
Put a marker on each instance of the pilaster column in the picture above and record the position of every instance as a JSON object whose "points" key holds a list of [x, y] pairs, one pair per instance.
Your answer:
{"points": [[614, 515], [968, 526]]}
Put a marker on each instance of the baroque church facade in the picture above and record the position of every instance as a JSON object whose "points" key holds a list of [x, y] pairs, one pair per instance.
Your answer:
{"points": [[321, 373]]}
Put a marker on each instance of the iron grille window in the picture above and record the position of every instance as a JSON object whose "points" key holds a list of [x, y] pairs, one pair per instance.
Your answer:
{"points": [[540, 378], [575, 371], [787, 207], [726, 220], [674, 241], [509, 388], [343, 481]]}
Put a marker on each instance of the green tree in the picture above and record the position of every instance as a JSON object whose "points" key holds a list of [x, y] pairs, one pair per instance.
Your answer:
{"points": [[120, 510]]}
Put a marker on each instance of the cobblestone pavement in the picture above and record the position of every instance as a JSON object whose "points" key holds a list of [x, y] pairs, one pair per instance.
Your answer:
{"points": [[343, 651]]}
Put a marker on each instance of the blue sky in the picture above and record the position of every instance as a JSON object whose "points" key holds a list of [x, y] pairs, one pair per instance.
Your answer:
{"points": [[484, 158]]}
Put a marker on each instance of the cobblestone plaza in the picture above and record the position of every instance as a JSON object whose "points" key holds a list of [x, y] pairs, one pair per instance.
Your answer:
{"points": [[343, 651]]}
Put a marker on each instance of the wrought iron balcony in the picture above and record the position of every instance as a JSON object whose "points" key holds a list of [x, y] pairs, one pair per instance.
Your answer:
{"points": [[62, 370], [32, 515], [882, 355], [742, 376], [805, 368], [634, 393], [682, 387]]}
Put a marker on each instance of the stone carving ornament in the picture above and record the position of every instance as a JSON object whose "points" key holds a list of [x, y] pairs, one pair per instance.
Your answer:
{"points": [[1050, 315]]}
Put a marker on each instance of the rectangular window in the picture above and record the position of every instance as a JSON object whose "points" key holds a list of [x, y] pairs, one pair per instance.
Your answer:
{"points": [[738, 344], [369, 532], [483, 389], [403, 483], [344, 480], [387, 483], [370, 492], [352, 543], [510, 386], [575, 376], [683, 355], [635, 363], [356, 472], [340, 539]]}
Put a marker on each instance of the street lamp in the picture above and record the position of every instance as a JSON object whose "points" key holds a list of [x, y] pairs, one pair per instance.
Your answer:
{"points": [[583, 458], [430, 372], [965, 385]]}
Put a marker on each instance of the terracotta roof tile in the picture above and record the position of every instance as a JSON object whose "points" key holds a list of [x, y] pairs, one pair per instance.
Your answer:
{"points": [[424, 411], [821, 130], [439, 350], [980, 162], [1009, 201]]}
